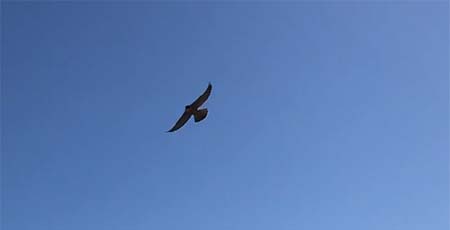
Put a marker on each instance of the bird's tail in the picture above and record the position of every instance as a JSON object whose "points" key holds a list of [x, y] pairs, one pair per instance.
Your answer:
{"points": [[200, 114]]}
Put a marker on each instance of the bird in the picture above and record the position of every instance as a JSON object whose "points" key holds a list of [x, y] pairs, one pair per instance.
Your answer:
{"points": [[194, 109]]}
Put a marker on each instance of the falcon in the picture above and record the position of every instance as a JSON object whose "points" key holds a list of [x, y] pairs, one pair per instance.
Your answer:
{"points": [[194, 109]]}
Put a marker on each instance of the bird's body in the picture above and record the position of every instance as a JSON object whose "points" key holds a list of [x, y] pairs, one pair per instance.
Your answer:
{"points": [[189, 109], [194, 109]]}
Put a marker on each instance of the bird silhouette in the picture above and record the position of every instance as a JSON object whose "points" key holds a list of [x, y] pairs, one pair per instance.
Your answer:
{"points": [[194, 109]]}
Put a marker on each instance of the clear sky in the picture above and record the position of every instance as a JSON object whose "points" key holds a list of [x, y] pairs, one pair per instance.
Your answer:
{"points": [[322, 116]]}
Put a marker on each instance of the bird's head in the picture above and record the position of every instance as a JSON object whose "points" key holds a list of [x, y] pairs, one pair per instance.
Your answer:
{"points": [[187, 107]]}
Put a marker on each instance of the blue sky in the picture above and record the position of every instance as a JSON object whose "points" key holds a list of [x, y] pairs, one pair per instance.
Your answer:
{"points": [[322, 116]]}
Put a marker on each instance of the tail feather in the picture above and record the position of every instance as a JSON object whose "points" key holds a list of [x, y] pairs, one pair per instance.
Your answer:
{"points": [[200, 114]]}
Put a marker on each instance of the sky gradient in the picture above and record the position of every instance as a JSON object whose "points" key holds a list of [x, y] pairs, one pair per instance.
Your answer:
{"points": [[322, 116]]}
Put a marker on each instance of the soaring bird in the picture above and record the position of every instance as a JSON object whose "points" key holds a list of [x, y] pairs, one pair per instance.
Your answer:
{"points": [[193, 109]]}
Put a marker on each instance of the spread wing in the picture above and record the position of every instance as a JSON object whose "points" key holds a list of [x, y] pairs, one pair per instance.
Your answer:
{"points": [[183, 119], [200, 100]]}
